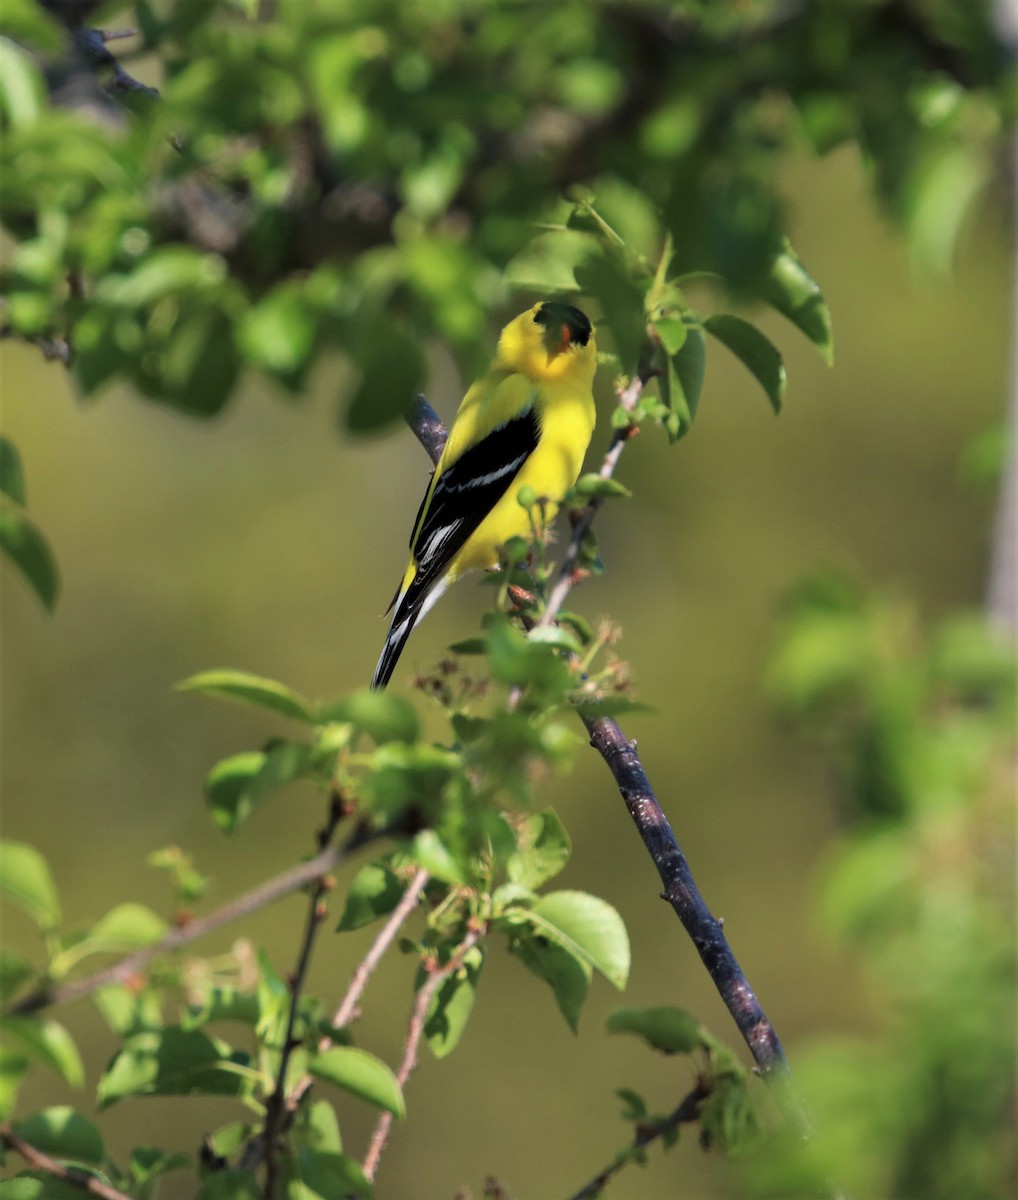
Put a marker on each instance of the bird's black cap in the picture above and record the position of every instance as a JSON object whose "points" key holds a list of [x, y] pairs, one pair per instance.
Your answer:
{"points": [[554, 315]]}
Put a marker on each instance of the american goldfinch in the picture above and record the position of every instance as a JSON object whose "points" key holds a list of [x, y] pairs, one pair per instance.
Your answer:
{"points": [[526, 422]]}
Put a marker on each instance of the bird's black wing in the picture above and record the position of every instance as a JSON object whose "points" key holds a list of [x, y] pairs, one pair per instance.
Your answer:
{"points": [[467, 491]]}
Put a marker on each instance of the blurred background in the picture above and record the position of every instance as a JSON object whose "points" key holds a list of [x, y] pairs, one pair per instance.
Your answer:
{"points": [[268, 539]]}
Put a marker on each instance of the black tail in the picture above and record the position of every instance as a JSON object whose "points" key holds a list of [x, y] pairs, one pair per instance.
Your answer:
{"points": [[410, 607]]}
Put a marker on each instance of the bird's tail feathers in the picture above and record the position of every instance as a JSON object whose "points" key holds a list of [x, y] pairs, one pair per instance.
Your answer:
{"points": [[411, 605]]}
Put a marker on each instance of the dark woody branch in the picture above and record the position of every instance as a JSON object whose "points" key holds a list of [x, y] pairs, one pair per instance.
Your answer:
{"points": [[680, 889]]}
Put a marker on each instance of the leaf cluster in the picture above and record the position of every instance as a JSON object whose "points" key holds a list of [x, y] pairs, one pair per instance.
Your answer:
{"points": [[487, 870]]}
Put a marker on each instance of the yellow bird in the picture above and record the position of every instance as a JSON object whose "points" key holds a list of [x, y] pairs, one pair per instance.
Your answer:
{"points": [[526, 422]]}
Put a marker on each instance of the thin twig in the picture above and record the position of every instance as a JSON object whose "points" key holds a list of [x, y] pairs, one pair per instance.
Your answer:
{"points": [[366, 968], [267, 893], [680, 889], [276, 1107], [646, 1134], [40, 1161], [415, 1031]]}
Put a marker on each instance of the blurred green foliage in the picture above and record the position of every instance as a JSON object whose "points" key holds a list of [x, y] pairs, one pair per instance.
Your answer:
{"points": [[920, 726], [367, 177]]}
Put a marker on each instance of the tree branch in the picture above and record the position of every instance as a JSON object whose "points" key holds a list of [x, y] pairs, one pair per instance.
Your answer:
{"points": [[41, 1161], [680, 889], [277, 1106], [366, 968], [415, 1031], [647, 1133], [288, 881]]}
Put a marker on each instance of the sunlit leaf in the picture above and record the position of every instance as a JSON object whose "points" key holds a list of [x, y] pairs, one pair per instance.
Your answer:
{"points": [[374, 892], [63, 1133], [47, 1042], [588, 928], [383, 716], [232, 1183], [13, 1068], [237, 785], [543, 851], [671, 1030], [452, 1004], [22, 91], [128, 925], [25, 880], [250, 689], [360, 1073], [173, 1062]]}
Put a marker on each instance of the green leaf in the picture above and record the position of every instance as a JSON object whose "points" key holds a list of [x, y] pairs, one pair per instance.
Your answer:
{"points": [[22, 91], [312, 1174], [606, 278], [569, 976], [173, 1062], [49, 1043], [25, 22], [318, 1128], [362, 1074], [278, 334], [405, 776], [64, 1133], [544, 849], [555, 635], [43, 1187], [635, 1105], [375, 891], [683, 382], [229, 1138], [237, 785], [392, 372], [128, 925], [250, 689], [548, 263], [148, 1163], [791, 290], [383, 716], [198, 368], [589, 928], [452, 1004], [12, 474], [26, 880], [755, 351], [728, 1118], [673, 332], [13, 1068], [428, 850], [219, 1002], [166, 270], [588, 486], [14, 970], [946, 186], [26, 547], [670, 1030], [232, 1184]]}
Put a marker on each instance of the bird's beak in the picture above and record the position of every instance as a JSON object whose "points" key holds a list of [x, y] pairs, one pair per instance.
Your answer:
{"points": [[559, 345]]}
